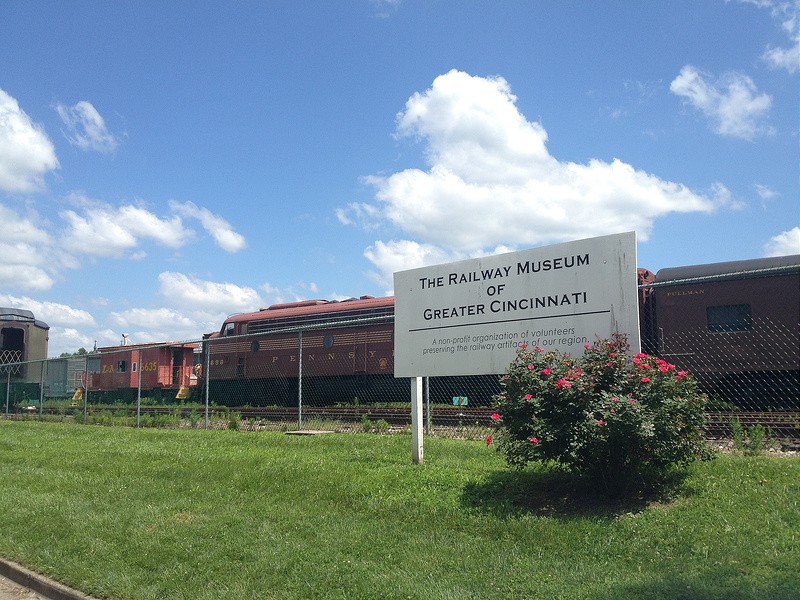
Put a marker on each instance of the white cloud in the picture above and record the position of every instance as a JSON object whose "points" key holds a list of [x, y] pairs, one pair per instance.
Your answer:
{"points": [[52, 313], [787, 13], [26, 257], [69, 339], [26, 153], [765, 192], [784, 58], [86, 129], [222, 232], [732, 103], [784, 244], [294, 293], [401, 255], [100, 229], [492, 182], [189, 291], [151, 318]]}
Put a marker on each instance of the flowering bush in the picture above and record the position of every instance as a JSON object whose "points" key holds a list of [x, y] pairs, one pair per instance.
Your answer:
{"points": [[603, 415]]}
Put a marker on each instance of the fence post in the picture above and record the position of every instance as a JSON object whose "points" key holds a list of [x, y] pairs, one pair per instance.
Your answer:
{"points": [[41, 388], [85, 387], [207, 371], [300, 379], [139, 388], [8, 388]]}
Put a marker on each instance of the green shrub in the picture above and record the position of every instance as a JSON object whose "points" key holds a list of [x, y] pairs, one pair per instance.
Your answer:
{"points": [[750, 441], [366, 423], [618, 420], [234, 420]]}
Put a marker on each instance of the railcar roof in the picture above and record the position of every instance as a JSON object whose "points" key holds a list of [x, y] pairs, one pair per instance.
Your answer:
{"points": [[312, 307], [743, 268], [19, 314], [127, 347]]}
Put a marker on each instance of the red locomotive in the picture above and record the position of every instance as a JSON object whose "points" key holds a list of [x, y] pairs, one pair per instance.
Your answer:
{"points": [[346, 346]]}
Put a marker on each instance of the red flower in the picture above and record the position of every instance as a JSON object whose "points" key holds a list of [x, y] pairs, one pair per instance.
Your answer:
{"points": [[495, 417], [528, 396], [530, 367], [537, 348], [600, 421], [523, 346], [587, 346], [563, 383], [645, 379], [534, 441], [489, 439], [681, 374], [546, 371]]}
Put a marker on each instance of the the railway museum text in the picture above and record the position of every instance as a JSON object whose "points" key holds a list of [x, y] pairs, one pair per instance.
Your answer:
{"points": [[522, 268], [493, 280]]}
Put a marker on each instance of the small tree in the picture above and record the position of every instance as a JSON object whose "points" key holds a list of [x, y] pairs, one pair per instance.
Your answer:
{"points": [[604, 415]]}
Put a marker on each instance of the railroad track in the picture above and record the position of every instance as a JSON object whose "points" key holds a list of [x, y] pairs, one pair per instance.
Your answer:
{"points": [[785, 424]]}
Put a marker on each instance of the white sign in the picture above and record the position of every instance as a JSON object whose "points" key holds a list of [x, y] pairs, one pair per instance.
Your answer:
{"points": [[469, 317]]}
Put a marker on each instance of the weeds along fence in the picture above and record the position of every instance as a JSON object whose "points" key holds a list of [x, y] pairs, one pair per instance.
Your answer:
{"points": [[337, 376]]}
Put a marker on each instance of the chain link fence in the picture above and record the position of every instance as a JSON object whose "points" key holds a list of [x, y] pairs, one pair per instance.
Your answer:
{"points": [[337, 376]]}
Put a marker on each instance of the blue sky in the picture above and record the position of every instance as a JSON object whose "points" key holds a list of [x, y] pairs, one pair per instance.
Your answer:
{"points": [[165, 164]]}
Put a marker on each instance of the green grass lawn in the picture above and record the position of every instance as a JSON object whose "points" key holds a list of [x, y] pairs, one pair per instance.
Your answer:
{"points": [[125, 513]]}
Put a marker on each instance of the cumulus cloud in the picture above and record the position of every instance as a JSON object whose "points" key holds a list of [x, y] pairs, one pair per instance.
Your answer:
{"points": [[52, 313], [401, 255], [100, 229], [222, 232], [26, 153], [784, 244], [26, 256], [85, 128], [187, 290], [491, 181], [732, 103], [151, 318]]}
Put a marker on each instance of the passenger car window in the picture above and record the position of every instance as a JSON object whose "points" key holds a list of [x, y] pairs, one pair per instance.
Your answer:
{"points": [[732, 317]]}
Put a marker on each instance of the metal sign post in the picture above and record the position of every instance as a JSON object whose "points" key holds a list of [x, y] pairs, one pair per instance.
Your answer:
{"points": [[416, 420]]}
